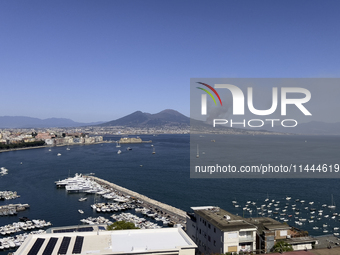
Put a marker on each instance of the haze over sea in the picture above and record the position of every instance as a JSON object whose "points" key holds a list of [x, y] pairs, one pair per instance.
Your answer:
{"points": [[163, 176]]}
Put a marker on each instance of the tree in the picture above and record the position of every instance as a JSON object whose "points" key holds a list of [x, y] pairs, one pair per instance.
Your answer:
{"points": [[282, 246], [119, 225]]}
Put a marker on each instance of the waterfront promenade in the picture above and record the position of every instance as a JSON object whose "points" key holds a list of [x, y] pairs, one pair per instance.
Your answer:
{"points": [[177, 216]]}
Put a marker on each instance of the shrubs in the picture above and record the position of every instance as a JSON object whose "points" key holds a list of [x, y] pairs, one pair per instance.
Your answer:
{"points": [[120, 225]]}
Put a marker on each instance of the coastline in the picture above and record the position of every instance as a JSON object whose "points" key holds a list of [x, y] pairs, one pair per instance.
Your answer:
{"points": [[49, 146]]}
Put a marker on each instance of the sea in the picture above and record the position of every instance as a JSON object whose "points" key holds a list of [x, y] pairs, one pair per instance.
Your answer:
{"points": [[165, 176]]}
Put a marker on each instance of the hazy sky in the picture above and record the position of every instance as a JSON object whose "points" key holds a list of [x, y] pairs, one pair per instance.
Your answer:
{"points": [[101, 60]]}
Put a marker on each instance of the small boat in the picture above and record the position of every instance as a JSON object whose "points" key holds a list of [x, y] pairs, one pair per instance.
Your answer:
{"points": [[128, 149], [68, 149], [81, 211], [118, 145], [119, 152], [332, 206], [154, 152], [82, 199], [59, 154], [198, 154]]}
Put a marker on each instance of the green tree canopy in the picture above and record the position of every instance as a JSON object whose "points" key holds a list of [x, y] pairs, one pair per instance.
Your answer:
{"points": [[282, 246], [119, 225]]}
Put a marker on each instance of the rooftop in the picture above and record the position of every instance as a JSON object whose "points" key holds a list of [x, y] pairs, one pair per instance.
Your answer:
{"points": [[108, 242], [223, 220], [266, 223]]}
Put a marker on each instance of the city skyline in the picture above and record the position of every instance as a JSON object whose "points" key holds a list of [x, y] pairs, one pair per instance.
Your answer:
{"points": [[99, 61]]}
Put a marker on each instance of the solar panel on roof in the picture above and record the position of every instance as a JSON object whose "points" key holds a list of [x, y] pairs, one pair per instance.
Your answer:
{"points": [[64, 245], [36, 246], [50, 246], [78, 245], [86, 229]]}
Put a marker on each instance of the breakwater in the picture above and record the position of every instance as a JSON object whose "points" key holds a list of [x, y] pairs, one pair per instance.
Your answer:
{"points": [[177, 216]]}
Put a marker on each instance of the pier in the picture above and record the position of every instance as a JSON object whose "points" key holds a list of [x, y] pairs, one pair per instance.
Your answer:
{"points": [[177, 216]]}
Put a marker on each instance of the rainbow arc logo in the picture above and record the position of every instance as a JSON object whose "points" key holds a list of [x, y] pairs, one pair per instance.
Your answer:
{"points": [[209, 93]]}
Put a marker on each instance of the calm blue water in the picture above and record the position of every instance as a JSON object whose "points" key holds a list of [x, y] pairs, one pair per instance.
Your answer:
{"points": [[164, 177]]}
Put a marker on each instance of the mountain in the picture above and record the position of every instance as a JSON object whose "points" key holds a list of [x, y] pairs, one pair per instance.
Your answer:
{"points": [[28, 122], [141, 119]]}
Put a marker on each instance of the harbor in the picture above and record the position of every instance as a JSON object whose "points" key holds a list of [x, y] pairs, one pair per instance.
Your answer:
{"points": [[176, 215], [123, 199]]}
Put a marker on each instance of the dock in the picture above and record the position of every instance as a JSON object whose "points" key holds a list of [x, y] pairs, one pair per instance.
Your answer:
{"points": [[177, 216]]}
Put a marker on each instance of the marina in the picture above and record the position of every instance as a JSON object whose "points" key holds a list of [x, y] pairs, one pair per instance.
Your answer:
{"points": [[123, 199]]}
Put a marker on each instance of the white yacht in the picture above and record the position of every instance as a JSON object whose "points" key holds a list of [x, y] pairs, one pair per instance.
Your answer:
{"points": [[81, 211]]}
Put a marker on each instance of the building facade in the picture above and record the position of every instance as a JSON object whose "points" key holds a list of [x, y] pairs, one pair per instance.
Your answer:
{"points": [[215, 230]]}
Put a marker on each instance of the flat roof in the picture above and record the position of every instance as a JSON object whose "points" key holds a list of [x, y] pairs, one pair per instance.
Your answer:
{"points": [[266, 223], [109, 242], [222, 219]]}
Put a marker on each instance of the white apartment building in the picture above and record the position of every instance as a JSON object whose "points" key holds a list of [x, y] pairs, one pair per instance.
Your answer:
{"points": [[215, 230]]}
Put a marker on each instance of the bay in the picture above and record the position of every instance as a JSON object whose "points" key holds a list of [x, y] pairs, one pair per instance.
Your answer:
{"points": [[163, 176]]}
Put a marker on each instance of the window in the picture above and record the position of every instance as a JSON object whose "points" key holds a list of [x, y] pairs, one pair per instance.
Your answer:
{"points": [[214, 230], [214, 243], [232, 235], [283, 232], [208, 225], [209, 238], [200, 231]]}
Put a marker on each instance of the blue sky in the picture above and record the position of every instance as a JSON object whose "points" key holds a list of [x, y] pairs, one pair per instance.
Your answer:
{"points": [[101, 60]]}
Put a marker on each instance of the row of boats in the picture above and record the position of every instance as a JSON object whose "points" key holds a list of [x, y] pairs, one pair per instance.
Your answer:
{"points": [[154, 215], [7, 195], [12, 209], [96, 220], [112, 207], [23, 226], [13, 242], [79, 183]]}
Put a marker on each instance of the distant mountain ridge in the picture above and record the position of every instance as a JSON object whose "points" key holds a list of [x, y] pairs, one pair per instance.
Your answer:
{"points": [[29, 122], [141, 119]]}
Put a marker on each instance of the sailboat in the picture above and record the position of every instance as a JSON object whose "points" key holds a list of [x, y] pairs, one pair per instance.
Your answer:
{"points": [[332, 206], [198, 154], [153, 152], [118, 145]]}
